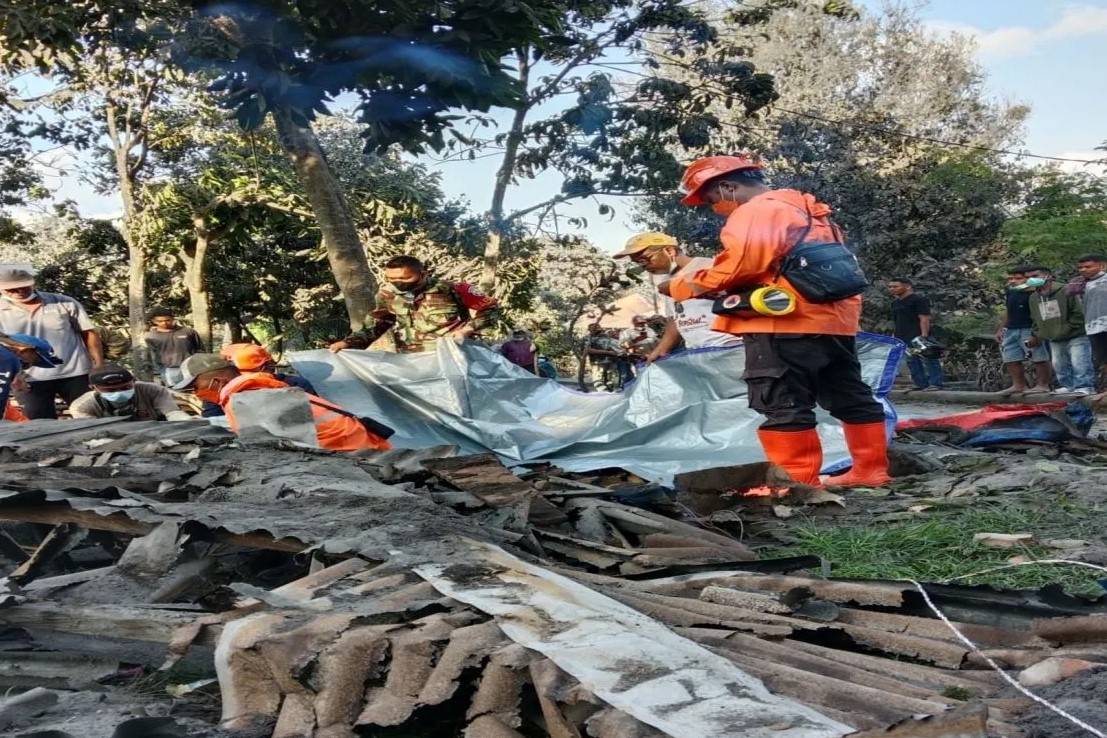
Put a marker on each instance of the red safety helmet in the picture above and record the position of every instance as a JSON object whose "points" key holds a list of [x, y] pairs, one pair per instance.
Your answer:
{"points": [[702, 171]]}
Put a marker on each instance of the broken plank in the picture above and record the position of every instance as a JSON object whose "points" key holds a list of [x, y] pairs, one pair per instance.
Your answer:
{"points": [[155, 625], [58, 670], [1077, 629], [968, 397], [625, 658], [642, 522], [858, 700], [602, 547], [970, 721], [119, 523], [884, 594], [65, 580], [574, 488], [785, 655], [484, 476], [10, 548], [55, 543]]}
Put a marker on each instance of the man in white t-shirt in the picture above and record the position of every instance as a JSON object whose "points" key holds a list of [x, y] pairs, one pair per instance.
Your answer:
{"points": [[659, 253]]}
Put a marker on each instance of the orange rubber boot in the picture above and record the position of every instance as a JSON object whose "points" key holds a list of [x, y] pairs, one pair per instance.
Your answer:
{"points": [[868, 445], [800, 453]]}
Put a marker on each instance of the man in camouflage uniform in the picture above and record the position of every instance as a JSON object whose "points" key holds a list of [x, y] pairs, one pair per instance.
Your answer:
{"points": [[420, 309], [602, 352]]}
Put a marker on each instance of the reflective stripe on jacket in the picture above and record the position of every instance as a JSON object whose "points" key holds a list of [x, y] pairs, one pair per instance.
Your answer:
{"points": [[333, 430]]}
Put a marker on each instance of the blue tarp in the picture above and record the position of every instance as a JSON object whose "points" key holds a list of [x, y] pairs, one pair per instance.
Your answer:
{"points": [[997, 424], [684, 413]]}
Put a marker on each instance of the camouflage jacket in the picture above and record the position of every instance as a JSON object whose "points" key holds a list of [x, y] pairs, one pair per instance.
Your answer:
{"points": [[418, 319]]}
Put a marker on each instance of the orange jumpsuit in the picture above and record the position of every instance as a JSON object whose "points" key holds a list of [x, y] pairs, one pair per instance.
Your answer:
{"points": [[793, 361], [333, 430], [756, 236]]}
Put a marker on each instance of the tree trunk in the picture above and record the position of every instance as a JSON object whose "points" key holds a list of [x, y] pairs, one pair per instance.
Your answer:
{"points": [[136, 267], [136, 306], [344, 249], [199, 303], [503, 180], [195, 280]]}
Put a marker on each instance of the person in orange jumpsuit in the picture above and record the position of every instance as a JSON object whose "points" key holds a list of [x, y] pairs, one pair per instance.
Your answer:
{"points": [[249, 357], [793, 361], [215, 379]]}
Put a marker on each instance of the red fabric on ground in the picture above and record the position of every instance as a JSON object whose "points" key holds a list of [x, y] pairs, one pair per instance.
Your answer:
{"points": [[983, 417]]}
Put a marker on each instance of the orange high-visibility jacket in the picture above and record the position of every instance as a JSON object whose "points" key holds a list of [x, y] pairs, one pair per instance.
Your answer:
{"points": [[755, 238], [334, 431]]}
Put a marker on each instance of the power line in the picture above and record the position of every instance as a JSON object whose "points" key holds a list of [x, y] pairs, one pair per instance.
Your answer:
{"points": [[873, 128]]}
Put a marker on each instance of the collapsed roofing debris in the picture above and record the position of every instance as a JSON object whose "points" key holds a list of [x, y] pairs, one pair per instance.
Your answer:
{"points": [[164, 579]]}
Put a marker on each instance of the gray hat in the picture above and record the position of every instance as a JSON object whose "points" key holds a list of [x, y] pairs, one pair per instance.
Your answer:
{"points": [[13, 277], [198, 364]]}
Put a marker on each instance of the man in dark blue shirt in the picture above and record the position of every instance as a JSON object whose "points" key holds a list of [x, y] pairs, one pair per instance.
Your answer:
{"points": [[1014, 331], [18, 352], [911, 315]]}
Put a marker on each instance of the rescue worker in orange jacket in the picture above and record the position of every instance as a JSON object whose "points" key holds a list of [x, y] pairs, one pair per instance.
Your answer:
{"points": [[214, 379], [793, 361]]}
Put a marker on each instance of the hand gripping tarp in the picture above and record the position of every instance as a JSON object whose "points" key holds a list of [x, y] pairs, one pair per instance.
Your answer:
{"points": [[681, 414]]}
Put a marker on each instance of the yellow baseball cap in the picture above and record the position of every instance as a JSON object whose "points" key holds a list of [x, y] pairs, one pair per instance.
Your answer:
{"points": [[641, 242]]}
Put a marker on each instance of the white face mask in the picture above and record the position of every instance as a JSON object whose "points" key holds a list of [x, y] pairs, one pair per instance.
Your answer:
{"points": [[119, 397]]}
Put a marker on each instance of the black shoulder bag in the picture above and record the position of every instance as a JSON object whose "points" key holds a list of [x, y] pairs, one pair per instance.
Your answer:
{"points": [[822, 271]]}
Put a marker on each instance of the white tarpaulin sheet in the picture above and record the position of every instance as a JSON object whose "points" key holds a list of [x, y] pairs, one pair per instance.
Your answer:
{"points": [[625, 658], [683, 413]]}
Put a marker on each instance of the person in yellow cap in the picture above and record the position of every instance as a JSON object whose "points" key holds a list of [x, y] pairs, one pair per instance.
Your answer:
{"points": [[691, 320]]}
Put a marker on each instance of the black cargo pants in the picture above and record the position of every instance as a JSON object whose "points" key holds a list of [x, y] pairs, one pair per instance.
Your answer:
{"points": [[788, 374]]}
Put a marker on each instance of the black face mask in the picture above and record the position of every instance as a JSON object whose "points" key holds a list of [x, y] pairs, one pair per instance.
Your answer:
{"points": [[406, 286]]}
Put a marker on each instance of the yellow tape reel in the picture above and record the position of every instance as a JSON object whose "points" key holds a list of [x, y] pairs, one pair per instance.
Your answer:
{"points": [[773, 301]]}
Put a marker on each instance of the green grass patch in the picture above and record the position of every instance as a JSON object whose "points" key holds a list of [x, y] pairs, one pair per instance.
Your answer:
{"points": [[940, 546]]}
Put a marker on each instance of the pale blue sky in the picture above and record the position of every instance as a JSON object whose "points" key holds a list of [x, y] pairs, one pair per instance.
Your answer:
{"points": [[1048, 54]]}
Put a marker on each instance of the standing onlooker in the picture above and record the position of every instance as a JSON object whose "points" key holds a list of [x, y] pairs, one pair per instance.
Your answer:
{"points": [[1093, 268], [170, 344], [546, 368], [62, 322], [1059, 319], [521, 351], [637, 342], [640, 338], [689, 321], [911, 313], [419, 309], [601, 351], [1013, 333]]}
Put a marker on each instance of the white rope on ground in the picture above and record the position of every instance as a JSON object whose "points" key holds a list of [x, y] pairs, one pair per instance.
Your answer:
{"points": [[1029, 563], [999, 670]]}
